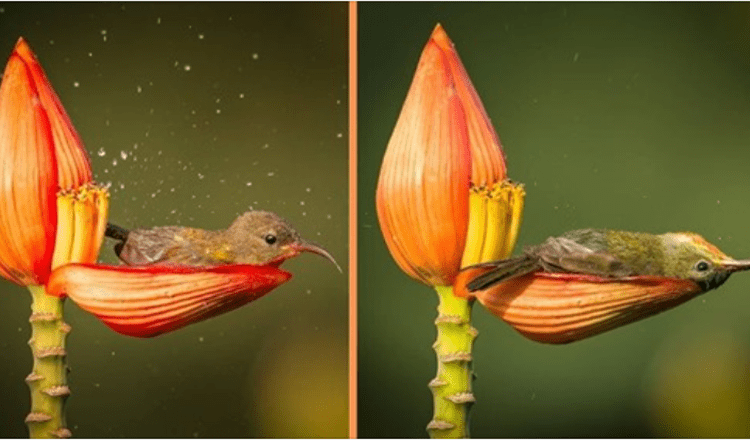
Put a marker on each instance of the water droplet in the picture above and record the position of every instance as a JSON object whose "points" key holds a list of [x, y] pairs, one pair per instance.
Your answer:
{"points": [[114, 162], [242, 95], [76, 84], [158, 20], [200, 338], [218, 111], [339, 135], [255, 56], [91, 54], [302, 203], [139, 89], [187, 67], [101, 152], [308, 189], [201, 176], [201, 36], [271, 174], [249, 184], [123, 155]]}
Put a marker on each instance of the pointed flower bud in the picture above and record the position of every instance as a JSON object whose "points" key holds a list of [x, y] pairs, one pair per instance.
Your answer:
{"points": [[147, 301], [42, 155], [443, 199]]}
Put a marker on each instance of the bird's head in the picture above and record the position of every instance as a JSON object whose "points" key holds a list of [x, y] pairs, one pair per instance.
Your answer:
{"points": [[690, 256], [264, 238]]}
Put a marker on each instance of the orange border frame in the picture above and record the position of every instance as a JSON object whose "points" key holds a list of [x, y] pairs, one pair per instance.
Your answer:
{"points": [[352, 220]]}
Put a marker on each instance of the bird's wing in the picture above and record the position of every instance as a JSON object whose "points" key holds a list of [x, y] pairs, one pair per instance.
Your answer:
{"points": [[555, 255], [158, 245]]}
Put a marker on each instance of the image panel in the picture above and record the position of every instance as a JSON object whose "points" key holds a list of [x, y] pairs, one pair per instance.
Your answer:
{"points": [[629, 118], [214, 140]]}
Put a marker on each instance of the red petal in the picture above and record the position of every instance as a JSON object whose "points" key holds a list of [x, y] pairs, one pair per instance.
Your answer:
{"points": [[73, 164], [561, 308], [28, 179], [150, 300]]}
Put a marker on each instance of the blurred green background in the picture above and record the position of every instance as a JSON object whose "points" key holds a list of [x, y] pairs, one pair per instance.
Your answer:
{"points": [[195, 113], [619, 115]]}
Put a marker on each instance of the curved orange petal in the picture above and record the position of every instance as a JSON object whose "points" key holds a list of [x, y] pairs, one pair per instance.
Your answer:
{"points": [[74, 168], [562, 308], [147, 301], [488, 160], [422, 194], [28, 179]]}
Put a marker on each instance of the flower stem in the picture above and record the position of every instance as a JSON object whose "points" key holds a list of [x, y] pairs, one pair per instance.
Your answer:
{"points": [[48, 380], [451, 388]]}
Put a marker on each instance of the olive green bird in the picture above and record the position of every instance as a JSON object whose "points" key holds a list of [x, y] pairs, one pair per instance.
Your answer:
{"points": [[255, 237], [592, 280]]}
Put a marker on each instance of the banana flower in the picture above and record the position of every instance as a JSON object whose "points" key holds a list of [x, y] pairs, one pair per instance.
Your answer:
{"points": [[444, 202]]}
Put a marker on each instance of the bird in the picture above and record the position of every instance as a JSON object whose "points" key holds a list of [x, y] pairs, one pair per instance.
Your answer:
{"points": [[255, 237], [588, 281]]}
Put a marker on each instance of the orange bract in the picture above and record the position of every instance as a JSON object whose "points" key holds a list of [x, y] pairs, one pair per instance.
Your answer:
{"points": [[148, 301], [562, 308], [73, 166], [443, 143]]}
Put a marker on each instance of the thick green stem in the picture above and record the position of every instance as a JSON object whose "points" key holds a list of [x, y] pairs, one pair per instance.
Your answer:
{"points": [[451, 388], [48, 380]]}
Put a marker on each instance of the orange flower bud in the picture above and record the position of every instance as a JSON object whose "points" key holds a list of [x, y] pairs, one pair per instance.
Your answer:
{"points": [[443, 149], [42, 154]]}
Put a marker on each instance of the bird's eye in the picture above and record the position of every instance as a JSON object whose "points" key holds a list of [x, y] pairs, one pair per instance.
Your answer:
{"points": [[270, 239], [702, 266]]}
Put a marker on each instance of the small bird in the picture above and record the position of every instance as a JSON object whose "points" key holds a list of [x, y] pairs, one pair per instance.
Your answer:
{"points": [[255, 237], [591, 280]]}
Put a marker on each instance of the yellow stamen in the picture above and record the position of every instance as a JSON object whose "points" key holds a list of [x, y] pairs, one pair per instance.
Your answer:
{"points": [[497, 224], [495, 216], [81, 221], [64, 237], [477, 220], [517, 194]]}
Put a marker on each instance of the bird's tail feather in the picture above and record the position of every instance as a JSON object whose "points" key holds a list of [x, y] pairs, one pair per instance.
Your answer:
{"points": [[503, 271], [116, 232]]}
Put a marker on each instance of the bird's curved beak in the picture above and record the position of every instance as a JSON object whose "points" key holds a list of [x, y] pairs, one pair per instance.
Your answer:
{"points": [[732, 265], [306, 246]]}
